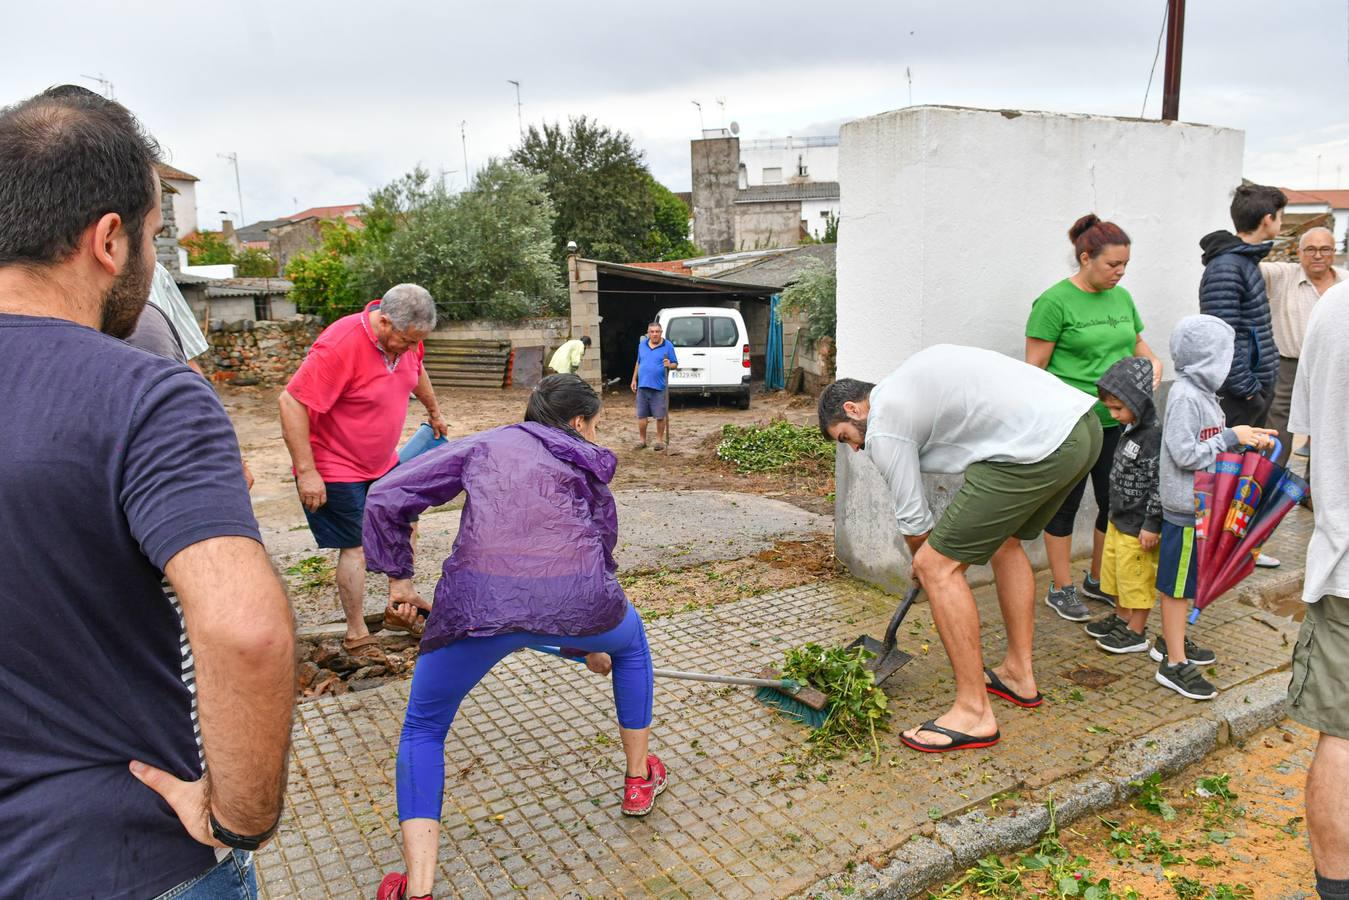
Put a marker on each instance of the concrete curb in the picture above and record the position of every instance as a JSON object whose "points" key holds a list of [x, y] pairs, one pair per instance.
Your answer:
{"points": [[961, 839]]}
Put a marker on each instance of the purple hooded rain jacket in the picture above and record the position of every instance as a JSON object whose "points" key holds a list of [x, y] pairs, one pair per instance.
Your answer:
{"points": [[535, 549]]}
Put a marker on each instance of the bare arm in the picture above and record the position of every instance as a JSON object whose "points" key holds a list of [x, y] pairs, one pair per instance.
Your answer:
{"points": [[295, 432], [1038, 352], [1141, 348], [634, 377], [426, 395], [243, 640]]}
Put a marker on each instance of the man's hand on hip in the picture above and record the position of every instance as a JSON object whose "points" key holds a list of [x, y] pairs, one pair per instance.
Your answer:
{"points": [[190, 800], [313, 492]]}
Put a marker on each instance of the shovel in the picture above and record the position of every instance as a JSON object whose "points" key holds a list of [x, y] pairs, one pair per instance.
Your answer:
{"points": [[887, 658]]}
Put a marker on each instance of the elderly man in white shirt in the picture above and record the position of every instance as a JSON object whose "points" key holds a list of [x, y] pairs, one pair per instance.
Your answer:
{"points": [[1293, 290], [1022, 439]]}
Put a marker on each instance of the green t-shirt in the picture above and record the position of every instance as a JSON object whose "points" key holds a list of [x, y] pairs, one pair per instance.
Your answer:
{"points": [[1091, 332]]}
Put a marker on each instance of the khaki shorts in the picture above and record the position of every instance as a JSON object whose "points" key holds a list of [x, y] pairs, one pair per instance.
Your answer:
{"points": [[1003, 500], [1128, 571], [1320, 685]]}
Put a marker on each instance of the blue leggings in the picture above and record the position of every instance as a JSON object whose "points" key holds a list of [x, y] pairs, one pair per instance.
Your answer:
{"points": [[444, 677]]}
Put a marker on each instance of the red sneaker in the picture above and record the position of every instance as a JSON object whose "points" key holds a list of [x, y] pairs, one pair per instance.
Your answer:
{"points": [[639, 794], [394, 887]]}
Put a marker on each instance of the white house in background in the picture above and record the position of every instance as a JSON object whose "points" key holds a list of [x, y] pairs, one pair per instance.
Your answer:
{"points": [[788, 160], [1315, 202], [185, 200]]}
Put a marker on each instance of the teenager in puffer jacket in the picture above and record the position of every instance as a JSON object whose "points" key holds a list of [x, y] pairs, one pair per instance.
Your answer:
{"points": [[1233, 290]]}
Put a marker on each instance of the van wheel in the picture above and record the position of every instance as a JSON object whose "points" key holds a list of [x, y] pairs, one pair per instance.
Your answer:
{"points": [[743, 401]]}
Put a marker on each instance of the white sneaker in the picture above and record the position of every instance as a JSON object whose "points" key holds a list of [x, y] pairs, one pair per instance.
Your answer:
{"points": [[1265, 561]]}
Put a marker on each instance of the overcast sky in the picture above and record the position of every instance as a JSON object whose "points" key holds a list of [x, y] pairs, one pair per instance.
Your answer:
{"points": [[324, 100]]}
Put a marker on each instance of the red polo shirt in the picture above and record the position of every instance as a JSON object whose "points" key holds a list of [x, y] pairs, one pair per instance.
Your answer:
{"points": [[357, 399]]}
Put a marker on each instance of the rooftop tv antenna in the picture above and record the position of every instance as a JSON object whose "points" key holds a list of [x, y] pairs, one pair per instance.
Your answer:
{"points": [[104, 84]]}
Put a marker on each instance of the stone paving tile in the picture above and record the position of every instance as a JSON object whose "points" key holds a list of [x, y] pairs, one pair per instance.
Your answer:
{"points": [[534, 769]]}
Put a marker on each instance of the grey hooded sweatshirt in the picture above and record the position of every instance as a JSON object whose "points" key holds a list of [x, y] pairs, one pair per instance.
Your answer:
{"points": [[1194, 431]]}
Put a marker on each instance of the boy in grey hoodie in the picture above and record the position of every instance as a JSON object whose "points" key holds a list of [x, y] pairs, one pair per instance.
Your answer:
{"points": [[1129, 561], [1193, 434]]}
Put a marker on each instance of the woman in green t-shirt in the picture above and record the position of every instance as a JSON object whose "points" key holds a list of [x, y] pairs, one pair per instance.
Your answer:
{"points": [[1077, 329]]}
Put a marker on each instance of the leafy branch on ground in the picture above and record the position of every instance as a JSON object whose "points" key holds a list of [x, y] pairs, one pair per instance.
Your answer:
{"points": [[857, 707], [313, 573], [765, 448]]}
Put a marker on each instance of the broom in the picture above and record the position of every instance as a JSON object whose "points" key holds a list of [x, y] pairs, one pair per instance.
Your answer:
{"points": [[793, 698]]}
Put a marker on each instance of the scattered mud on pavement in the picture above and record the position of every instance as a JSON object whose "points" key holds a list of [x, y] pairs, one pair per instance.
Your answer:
{"points": [[1252, 844]]}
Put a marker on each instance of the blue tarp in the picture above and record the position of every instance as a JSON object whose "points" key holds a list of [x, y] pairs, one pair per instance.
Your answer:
{"points": [[774, 379]]}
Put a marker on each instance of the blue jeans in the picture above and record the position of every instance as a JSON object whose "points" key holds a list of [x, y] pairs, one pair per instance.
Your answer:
{"points": [[230, 879]]}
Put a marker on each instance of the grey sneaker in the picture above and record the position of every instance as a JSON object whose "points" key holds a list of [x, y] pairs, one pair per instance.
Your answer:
{"points": [[1193, 652], [1092, 588], [1066, 604], [1099, 628], [1123, 640], [1185, 680]]}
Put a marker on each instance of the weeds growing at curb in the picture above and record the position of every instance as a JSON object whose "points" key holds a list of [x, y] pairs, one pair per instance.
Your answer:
{"points": [[314, 573], [857, 707], [1152, 798]]}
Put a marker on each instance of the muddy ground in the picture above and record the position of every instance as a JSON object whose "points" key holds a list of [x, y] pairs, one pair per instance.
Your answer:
{"points": [[1207, 846]]}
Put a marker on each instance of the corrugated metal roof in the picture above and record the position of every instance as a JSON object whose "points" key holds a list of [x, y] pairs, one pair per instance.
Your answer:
{"points": [[772, 193], [784, 268]]}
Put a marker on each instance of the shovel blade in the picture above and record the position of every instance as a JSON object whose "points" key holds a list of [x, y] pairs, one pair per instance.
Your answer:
{"points": [[885, 661]]}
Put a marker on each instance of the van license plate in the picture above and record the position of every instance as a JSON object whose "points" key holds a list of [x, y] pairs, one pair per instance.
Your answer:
{"points": [[686, 374]]}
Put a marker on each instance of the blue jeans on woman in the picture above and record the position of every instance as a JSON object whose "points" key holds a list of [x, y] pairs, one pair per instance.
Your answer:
{"points": [[232, 878], [444, 677]]}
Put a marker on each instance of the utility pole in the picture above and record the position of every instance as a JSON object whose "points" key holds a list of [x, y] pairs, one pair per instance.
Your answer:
{"points": [[238, 187], [103, 83], [519, 114], [1175, 41], [463, 137]]}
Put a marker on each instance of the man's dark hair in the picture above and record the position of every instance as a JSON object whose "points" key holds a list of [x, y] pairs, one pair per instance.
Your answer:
{"points": [[560, 398], [834, 396], [67, 157], [1252, 202], [585, 339]]}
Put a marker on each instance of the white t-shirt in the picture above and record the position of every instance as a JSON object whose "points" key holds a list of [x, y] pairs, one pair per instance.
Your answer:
{"points": [[1321, 410], [948, 407]]}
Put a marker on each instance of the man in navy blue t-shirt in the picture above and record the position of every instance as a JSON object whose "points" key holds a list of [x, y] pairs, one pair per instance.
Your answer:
{"points": [[655, 357], [118, 468]]}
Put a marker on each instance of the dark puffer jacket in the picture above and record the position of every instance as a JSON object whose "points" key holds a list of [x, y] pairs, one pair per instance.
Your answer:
{"points": [[1233, 290], [1135, 482]]}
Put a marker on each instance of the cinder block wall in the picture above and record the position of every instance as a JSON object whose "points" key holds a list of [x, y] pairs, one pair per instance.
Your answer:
{"points": [[958, 220]]}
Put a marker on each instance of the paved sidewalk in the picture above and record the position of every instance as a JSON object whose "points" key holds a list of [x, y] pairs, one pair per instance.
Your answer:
{"points": [[534, 770]]}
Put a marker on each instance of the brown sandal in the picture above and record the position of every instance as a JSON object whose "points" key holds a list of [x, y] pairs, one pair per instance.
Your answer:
{"points": [[393, 623], [366, 648]]}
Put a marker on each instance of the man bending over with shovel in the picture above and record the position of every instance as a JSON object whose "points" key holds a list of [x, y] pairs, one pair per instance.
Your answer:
{"points": [[1022, 439]]}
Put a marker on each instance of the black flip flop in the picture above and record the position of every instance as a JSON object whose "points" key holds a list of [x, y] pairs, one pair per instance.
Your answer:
{"points": [[959, 740], [995, 687]]}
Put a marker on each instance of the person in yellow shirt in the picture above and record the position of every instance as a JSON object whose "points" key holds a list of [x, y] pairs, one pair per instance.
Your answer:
{"points": [[567, 359]]}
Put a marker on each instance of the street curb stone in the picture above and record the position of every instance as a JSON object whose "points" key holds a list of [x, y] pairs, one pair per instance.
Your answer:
{"points": [[1242, 711]]}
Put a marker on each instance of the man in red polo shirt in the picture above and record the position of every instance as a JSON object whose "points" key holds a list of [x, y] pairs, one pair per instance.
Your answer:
{"points": [[342, 414]]}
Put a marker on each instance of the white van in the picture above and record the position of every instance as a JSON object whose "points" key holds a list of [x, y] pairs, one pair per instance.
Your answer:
{"points": [[712, 344]]}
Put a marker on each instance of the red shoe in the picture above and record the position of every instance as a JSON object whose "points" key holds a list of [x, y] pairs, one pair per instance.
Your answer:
{"points": [[639, 794], [395, 887]]}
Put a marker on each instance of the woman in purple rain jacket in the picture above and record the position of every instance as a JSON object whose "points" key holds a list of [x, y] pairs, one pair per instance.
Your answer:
{"points": [[533, 564]]}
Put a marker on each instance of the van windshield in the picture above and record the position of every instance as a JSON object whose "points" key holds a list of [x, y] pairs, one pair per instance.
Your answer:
{"points": [[687, 331]]}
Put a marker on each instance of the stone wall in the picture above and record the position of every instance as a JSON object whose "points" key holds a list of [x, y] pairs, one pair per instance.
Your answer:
{"points": [[549, 332], [248, 352]]}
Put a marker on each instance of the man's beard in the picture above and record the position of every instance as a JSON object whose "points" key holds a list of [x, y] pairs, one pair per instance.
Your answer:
{"points": [[861, 425], [126, 298]]}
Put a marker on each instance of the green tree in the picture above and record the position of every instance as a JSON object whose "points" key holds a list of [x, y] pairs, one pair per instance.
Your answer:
{"points": [[254, 263], [207, 248], [668, 236], [600, 187], [325, 283], [483, 253], [815, 293]]}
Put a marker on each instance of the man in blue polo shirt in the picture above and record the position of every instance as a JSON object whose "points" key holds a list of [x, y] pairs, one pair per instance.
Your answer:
{"points": [[655, 357]]}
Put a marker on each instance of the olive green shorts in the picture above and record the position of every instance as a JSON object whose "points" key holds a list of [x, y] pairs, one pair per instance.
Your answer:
{"points": [[1320, 685], [1003, 500]]}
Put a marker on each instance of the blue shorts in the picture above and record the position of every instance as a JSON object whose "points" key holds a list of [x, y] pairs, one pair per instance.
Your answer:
{"points": [[652, 403], [337, 523], [1177, 562]]}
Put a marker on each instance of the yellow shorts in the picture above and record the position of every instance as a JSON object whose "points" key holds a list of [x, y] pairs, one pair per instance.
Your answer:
{"points": [[1128, 571]]}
